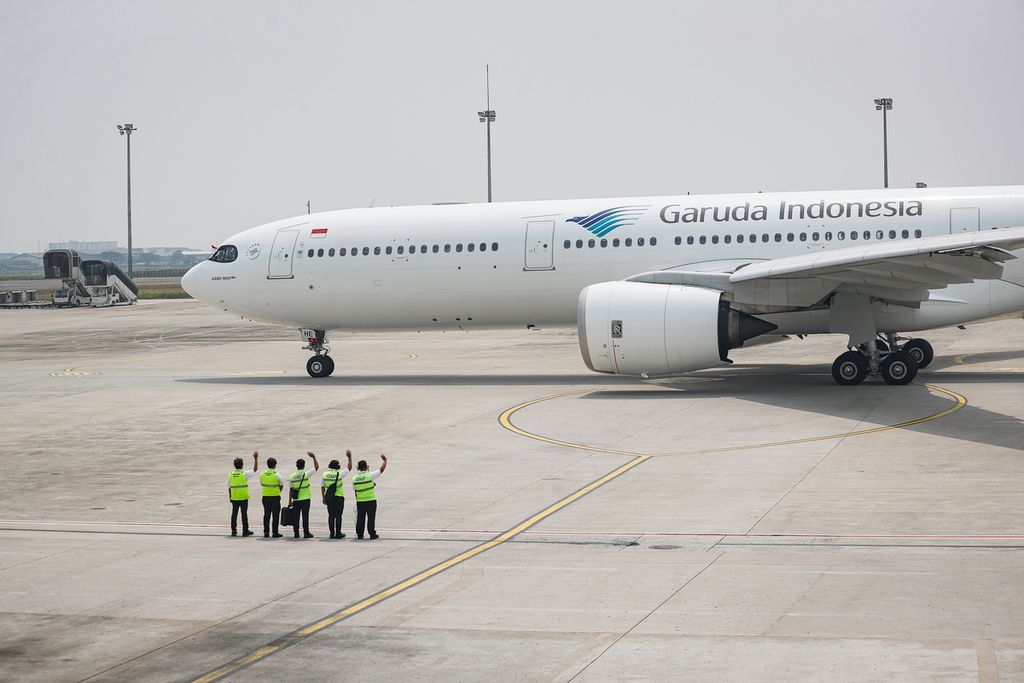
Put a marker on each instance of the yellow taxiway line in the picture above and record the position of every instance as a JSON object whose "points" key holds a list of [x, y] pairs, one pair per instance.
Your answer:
{"points": [[505, 419]]}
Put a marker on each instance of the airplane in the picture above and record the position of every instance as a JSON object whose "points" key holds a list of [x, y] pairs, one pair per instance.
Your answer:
{"points": [[654, 285]]}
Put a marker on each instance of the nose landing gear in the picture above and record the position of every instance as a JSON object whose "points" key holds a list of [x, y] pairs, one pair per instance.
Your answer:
{"points": [[320, 365]]}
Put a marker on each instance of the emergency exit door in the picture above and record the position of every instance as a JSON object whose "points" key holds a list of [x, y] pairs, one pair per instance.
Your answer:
{"points": [[540, 246], [282, 254], [967, 219]]}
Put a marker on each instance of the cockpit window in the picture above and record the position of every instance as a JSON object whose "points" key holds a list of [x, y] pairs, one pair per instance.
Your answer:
{"points": [[225, 254]]}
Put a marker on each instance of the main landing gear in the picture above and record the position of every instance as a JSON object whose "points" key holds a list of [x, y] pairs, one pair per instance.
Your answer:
{"points": [[896, 363], [320, 365]]}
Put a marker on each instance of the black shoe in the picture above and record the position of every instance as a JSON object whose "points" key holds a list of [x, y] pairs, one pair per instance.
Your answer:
{"points": [[266, 534], [359, 538], [341, 535], [296, 535], [248, 532], [234, 533], [333, 536], [374, 537], [307, 535], [278, 535]]}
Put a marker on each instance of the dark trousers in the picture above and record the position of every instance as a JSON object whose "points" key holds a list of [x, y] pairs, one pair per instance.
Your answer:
{"points": [[301, 508], [237, 505], [366, 515], [271, 511], [335, 506]]}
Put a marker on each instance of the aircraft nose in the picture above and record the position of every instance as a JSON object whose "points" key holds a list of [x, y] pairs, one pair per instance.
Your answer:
{"points": [[190, 281]]}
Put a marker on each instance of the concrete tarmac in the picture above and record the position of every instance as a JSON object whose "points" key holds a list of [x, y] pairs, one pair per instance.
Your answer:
{"points": [[754, 521]]}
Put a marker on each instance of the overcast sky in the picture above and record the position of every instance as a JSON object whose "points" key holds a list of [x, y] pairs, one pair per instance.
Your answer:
{"points": [[247, 109]]}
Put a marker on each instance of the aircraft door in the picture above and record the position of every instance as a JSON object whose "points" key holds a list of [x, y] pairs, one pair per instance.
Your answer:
{"points": [[282, 254], [964, 220], [540, 245]]}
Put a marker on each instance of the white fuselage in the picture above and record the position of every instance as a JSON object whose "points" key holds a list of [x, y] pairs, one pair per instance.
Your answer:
{"points": [[475, 266]]}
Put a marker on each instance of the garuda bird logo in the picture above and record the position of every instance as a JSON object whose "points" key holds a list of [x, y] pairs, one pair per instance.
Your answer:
{"points": [[603, 222]]}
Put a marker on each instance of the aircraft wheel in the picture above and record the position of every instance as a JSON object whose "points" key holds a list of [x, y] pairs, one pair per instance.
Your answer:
{"points": [[920, 350], [320, 366], [850, 368], [898, 368]]}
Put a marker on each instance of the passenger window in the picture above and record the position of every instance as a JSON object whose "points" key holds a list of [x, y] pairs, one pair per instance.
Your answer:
{"points": [[319, 252], [828, 237], [387, 250], [841, 236], [789, 237], [815, 236], [310, 253], [853, 234], [679, 240], [629, 241], [494, 246], [470, 247], [639, 241], [892, 234], [764, 237], [803, 237], [436, 248], [591, 243], [401, 250], [753, 238], [714, 239], [867, 234], [447, 248], [341, 252], [376, 251], [615, 242], [879, 235], [703, 239], [579, 244], [739, 238], [330, 252], [906, 234], [778, 237], [604, 243], [689, 239], [917, 233], [366, 251], [423, 249], [566, 244], [728, 239], [458, 248], [654, 241], [483, 246]]}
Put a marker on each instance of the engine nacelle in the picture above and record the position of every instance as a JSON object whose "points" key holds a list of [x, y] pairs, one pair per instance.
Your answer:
{"points": [[639, 328]]}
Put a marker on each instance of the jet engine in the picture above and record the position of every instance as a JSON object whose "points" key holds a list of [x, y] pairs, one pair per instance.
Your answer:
{"points": [[639, 328]]}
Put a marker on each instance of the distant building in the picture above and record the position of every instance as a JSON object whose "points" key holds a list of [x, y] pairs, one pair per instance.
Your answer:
{"points": [[87, 247]]}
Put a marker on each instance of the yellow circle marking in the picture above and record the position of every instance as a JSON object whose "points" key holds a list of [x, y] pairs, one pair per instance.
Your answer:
{"points": [[506, 421]]}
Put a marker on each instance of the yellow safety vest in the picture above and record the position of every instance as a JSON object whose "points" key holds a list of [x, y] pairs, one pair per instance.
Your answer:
{"points": [[269, 480], [331, 476], [364, 486], [301, 490], [238, 485]]}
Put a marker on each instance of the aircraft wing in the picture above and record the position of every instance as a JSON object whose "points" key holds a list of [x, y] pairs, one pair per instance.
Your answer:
{"points": [[901, 271]]}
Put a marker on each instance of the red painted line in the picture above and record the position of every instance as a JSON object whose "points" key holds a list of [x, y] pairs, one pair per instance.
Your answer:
{"points": [[683, 534]]}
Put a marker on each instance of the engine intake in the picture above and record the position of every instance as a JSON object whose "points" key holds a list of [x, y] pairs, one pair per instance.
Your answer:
{"points": [[639, 328]]}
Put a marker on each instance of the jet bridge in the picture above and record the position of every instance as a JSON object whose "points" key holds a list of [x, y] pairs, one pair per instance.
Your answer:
{"points": [[88, 283]]}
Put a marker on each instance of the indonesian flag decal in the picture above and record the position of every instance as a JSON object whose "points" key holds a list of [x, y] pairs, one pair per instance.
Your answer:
{"points": [[319, 232]]}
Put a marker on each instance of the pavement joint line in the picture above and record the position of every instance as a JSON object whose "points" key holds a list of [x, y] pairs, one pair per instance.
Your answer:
{"points": [[505, 419]]}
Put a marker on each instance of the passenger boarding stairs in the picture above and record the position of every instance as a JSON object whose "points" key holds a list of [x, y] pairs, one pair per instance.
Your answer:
{"points": [[88, 283]]}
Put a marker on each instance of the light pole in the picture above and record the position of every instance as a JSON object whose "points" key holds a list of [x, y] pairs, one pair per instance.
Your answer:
{"points": [[884, 104], [128, 129], [487, 116]]}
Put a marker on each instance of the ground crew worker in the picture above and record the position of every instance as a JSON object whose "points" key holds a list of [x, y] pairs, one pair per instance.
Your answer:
{"points": [[238, 493], [298, 493], [272, 485], [364, 483], [334, 495]]}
